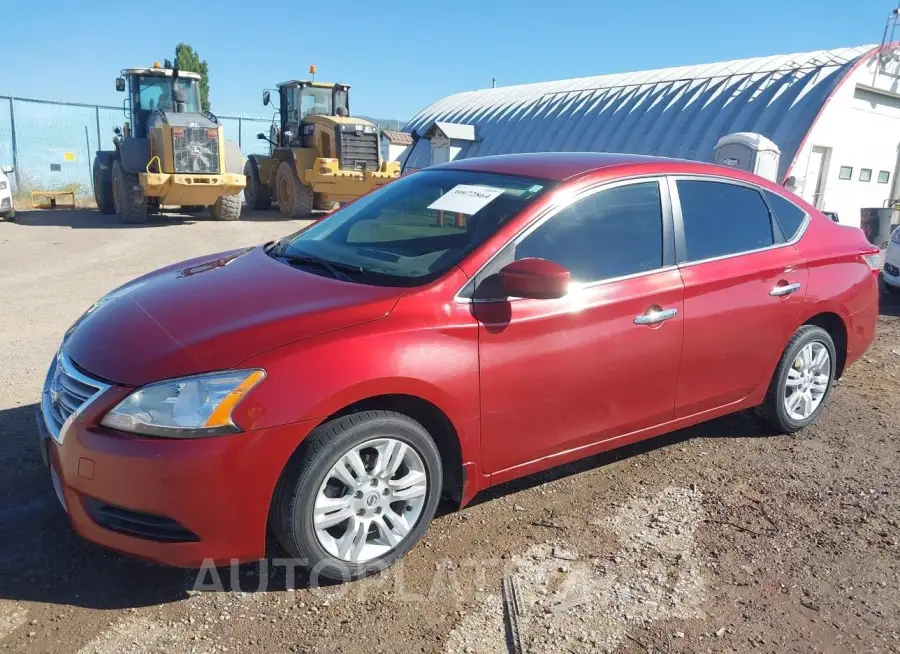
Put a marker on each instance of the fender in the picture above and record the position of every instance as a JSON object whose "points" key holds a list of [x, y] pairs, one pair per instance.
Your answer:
{"points": [[134, 154]]}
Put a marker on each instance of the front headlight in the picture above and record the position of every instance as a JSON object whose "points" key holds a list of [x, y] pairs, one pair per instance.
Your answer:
{"points": [[3, 186], [189, 407], [895, 237]]}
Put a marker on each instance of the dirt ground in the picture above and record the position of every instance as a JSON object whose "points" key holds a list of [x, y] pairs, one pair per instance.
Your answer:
{"points": [[718, 538]]}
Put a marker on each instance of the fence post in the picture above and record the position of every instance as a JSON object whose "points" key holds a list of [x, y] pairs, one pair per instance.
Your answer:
{"points": [[15, 148], [99, 138], [240, 132]]}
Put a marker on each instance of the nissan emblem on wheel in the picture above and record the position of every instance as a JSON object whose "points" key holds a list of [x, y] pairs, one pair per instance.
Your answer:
{"points": [[463, 326]]}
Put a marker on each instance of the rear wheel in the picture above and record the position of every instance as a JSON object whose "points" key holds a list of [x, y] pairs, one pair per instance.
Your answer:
{"points": [[295, 200], [360, 495], [128, 197], [256, 193], [802, 381], [227, 207]]}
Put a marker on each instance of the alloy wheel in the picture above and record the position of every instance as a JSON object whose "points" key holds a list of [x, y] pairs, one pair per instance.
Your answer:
{"points": [[370, 500], [807, 381]]}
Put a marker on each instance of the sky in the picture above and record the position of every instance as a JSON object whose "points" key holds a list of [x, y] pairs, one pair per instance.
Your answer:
{"points": [[400, 56]]}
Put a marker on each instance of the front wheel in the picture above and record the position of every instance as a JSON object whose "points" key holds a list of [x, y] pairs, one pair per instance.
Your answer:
{"points": [[257, 194], [802, 381], [128, 197], [295, 199], [359, 495], [227, 207]]}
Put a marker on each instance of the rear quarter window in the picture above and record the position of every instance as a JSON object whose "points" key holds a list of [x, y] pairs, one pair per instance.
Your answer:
{"points": [[721, 219], [789, 216]]}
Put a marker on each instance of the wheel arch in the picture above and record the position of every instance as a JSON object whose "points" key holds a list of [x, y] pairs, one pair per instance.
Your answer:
{"points": [[836, 327]]}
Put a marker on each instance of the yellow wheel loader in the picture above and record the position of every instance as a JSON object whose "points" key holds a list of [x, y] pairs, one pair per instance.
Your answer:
{"points": [[318, 155], [169, 153]]}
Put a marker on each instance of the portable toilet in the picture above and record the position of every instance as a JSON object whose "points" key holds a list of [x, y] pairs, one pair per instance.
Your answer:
{"points": [[748, 151]]}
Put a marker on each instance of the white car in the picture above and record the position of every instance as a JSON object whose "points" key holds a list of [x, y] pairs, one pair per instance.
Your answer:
{"points": [[891, 272], [7, 209]]}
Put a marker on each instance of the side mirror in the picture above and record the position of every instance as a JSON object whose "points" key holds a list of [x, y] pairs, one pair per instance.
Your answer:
{"points": [[7, 169], [120, 84], [266, 98], [262, 137], [534, 278]]}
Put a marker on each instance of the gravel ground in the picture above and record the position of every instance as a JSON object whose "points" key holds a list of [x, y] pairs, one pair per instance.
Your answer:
{"points": [[718, 538]]}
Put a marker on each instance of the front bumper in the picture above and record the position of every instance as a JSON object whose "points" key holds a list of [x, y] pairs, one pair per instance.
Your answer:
{"points": [[891, 272], [185, 190], [339, 185], [172, 501]]}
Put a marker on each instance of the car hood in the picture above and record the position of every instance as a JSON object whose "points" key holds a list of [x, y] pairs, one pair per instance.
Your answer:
{"points": [[213, 312]]}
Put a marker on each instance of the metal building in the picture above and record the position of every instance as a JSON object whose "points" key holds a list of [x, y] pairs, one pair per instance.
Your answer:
{"points": [[834, 115]]}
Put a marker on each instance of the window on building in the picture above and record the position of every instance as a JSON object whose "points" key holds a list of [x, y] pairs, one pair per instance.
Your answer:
{"points": [[609, 234], [722, 219], [789, 216], [865, 174], [883, 176], [846, 172]]}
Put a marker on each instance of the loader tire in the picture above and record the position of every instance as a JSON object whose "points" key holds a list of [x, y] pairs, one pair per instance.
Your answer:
{"points": [[321, 204], [128, 197], [295, 200], [257, 194], [103, 192], [227, 207]]}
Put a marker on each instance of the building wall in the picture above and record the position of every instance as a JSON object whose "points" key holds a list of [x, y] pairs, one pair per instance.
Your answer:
{"points": [[393, 152], [862, 129], [55, 142]]}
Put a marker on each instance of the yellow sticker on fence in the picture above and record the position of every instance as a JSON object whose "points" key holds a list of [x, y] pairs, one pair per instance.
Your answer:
{"points": [[69, 156]]}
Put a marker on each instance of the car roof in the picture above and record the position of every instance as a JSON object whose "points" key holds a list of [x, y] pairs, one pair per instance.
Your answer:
{"points": [[562, 166]]}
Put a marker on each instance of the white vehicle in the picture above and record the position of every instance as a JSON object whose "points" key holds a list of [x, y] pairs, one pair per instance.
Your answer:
{"points": [[891, 272], [7, 209]]}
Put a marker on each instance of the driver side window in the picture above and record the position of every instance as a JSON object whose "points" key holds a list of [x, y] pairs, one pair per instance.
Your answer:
{"points": [[612, 233]]}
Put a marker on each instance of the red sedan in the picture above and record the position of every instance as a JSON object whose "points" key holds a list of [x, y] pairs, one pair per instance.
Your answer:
{"points": [[461, 327]]}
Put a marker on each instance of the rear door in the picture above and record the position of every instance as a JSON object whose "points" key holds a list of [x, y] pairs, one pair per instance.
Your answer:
{"points": [[744, 282]]}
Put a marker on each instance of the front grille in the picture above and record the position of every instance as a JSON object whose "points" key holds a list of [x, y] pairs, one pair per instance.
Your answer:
{"points": [[66, 390], [196, 149], [358, 150], [136, 523]]}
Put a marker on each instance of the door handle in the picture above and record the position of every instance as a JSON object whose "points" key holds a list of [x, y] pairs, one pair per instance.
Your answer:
{"points": [[785, 289], [655, 316]]}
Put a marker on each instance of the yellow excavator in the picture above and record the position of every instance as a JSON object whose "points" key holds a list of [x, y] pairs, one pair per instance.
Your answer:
{"points": [[318, 154]]}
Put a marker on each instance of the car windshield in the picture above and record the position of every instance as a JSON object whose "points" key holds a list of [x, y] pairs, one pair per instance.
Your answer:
{"points": [[414, 229], [156, 93]]}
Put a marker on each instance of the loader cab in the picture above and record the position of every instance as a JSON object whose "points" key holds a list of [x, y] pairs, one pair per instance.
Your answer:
{"points": [[153, 89], [300, 100]]}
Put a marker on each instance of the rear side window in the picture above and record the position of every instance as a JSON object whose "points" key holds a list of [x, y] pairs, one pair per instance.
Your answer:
{"points": [[612, 233], [722, 219], [788, 214]]}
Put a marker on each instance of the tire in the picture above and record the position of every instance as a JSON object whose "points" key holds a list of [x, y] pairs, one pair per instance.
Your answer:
{"points": [[103, 192], [227, 207], [321, 204], [305, 478], [774, 411], [257, 194], [295, 200], [892, 290], [10, 216], [128, 197]]}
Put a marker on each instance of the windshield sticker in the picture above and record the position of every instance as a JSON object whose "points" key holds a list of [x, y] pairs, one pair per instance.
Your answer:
{"points": [[466, 198]]}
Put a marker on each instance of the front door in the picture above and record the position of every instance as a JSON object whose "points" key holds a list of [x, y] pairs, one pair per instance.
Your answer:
{"points": [[816, 169], [600, 362], [743, 288]]}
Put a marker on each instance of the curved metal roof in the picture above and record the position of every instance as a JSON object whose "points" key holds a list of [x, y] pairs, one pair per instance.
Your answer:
{"points": [[675, 112]]}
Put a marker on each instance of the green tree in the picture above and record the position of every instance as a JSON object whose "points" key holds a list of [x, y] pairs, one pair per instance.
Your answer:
{"points": [[168, 64], [187, 59]]}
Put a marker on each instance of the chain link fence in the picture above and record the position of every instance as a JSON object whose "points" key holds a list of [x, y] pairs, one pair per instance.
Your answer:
{"points": [[51, 145]]}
